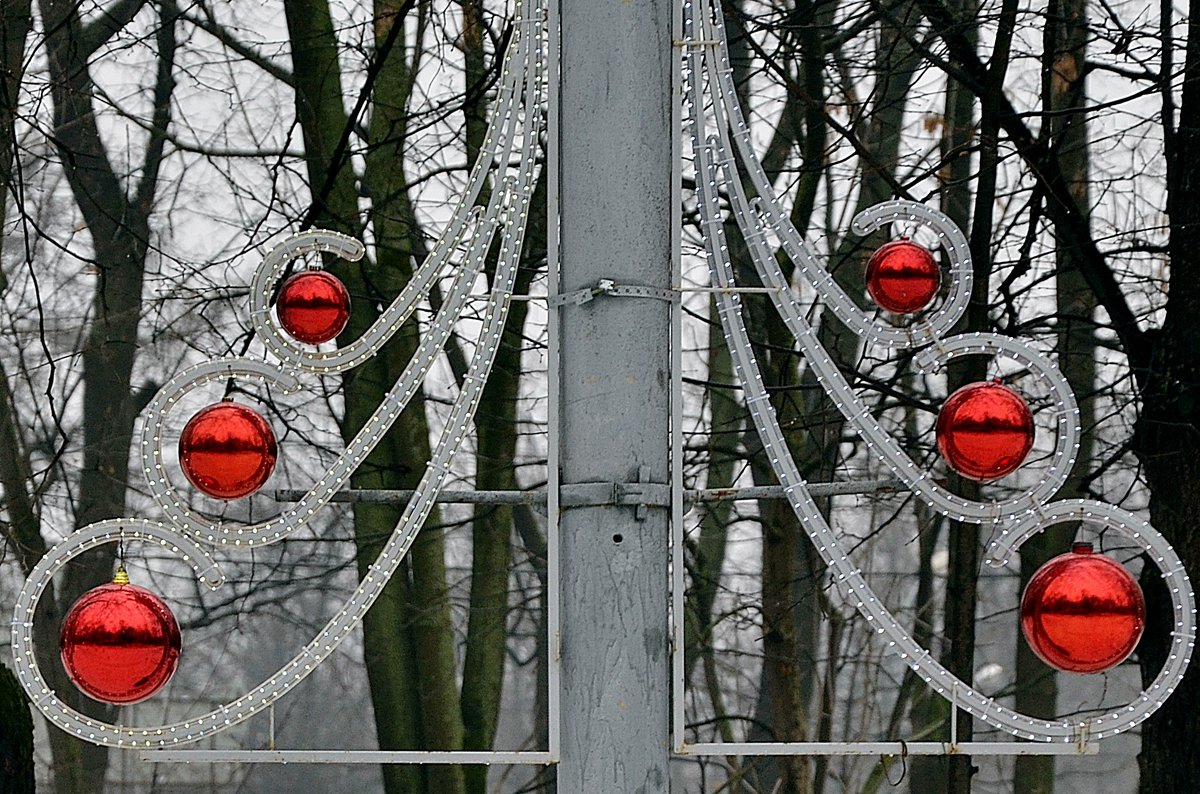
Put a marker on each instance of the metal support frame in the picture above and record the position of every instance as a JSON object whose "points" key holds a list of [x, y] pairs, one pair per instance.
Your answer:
{"points": [[615, 535], [540, 497], [728, 170], [897, 748], [347, 757]]}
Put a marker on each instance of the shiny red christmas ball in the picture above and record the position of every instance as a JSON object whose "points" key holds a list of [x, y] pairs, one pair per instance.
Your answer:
{"points": [[984, 431], [313, 306], [119, 643], [227, 450], [902, 276], [1082, 612]]}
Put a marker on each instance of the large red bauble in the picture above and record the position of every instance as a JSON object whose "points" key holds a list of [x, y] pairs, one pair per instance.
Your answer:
{"points": [[313, 306], [1082, 612], [984, 431], [902, 276], [119, 643], [227, 450]]}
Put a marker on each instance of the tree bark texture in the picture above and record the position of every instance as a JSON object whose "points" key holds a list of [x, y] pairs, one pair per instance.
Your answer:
{"points": [[793, 574], [418, 703], [16, 737], [117, 217], [1167, 442], [1064, 61]]}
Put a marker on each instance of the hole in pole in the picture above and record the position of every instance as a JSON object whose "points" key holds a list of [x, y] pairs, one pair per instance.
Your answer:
{"points": [[617, 538]]}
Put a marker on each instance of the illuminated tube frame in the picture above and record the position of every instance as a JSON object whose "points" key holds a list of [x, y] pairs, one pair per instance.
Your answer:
{"points": [[1017, 518], [512, 136]]}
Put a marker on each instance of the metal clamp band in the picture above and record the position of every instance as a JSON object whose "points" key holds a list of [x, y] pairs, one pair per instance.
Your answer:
{"points": [[639, 495], [606, 286]]}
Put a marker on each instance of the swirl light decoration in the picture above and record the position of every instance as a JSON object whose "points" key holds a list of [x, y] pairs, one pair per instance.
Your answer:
{"points": [[727, 168], [508, 164]]}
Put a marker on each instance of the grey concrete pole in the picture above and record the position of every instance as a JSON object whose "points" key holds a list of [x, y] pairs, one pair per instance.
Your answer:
{"points": [[616, 129]]}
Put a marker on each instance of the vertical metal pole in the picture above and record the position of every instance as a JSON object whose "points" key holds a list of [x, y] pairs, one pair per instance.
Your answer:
{"points": [[615, 165], [553, 445], [677, 512]]}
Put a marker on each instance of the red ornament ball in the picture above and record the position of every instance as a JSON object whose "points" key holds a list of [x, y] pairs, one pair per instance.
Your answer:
{"points": [[984, 431], [227, 450], [119, 643], [313, 306], [902, 276], [1082, 612]]}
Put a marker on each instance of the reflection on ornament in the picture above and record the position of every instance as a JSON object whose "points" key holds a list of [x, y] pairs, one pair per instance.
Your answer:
{"points": [[1082, 612], [902, 276], [227, 450], [984, 431], [313, 306], [119, 642]]}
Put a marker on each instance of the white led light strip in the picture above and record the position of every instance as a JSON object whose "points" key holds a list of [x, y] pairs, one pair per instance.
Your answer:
{"points": [[500, 145], [728, 117], [175, 506], [1028, 512], [509, 205], [918, 479]]}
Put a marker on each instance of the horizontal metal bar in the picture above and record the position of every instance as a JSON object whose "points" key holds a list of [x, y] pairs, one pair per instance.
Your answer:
{"points": [[570, 297], [733, 290], [516, 296], [886, 748], [344, 757], [846, 488], [538, 497], [598, 494], [385, 496]]}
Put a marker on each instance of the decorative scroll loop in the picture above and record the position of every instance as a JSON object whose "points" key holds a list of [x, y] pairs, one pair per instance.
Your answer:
{"points": [[499, 226], [1016, 518]]}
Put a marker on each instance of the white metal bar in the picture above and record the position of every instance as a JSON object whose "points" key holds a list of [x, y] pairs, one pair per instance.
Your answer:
{"points": [[888, 748], [678, 685], [516, 297], [553, 587], [401, 496], [732, 290], [847, 488], [954, 712], [526, 296], [539, 496], [345, 757]]}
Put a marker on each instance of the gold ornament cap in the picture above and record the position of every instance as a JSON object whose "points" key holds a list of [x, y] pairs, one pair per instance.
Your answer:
{"points": [[120, 577]]}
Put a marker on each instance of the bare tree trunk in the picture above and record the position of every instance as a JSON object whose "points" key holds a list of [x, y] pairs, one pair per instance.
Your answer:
{"points": [[708, 556], [963, 567], [491, 550], [962, 585], [931, 713], [1064, 56], [1167, 438], [792, 571], [117, 220], [16, 737], [409, 639], [789, 595], [498, 433], [926, 709], [21, 530]]}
